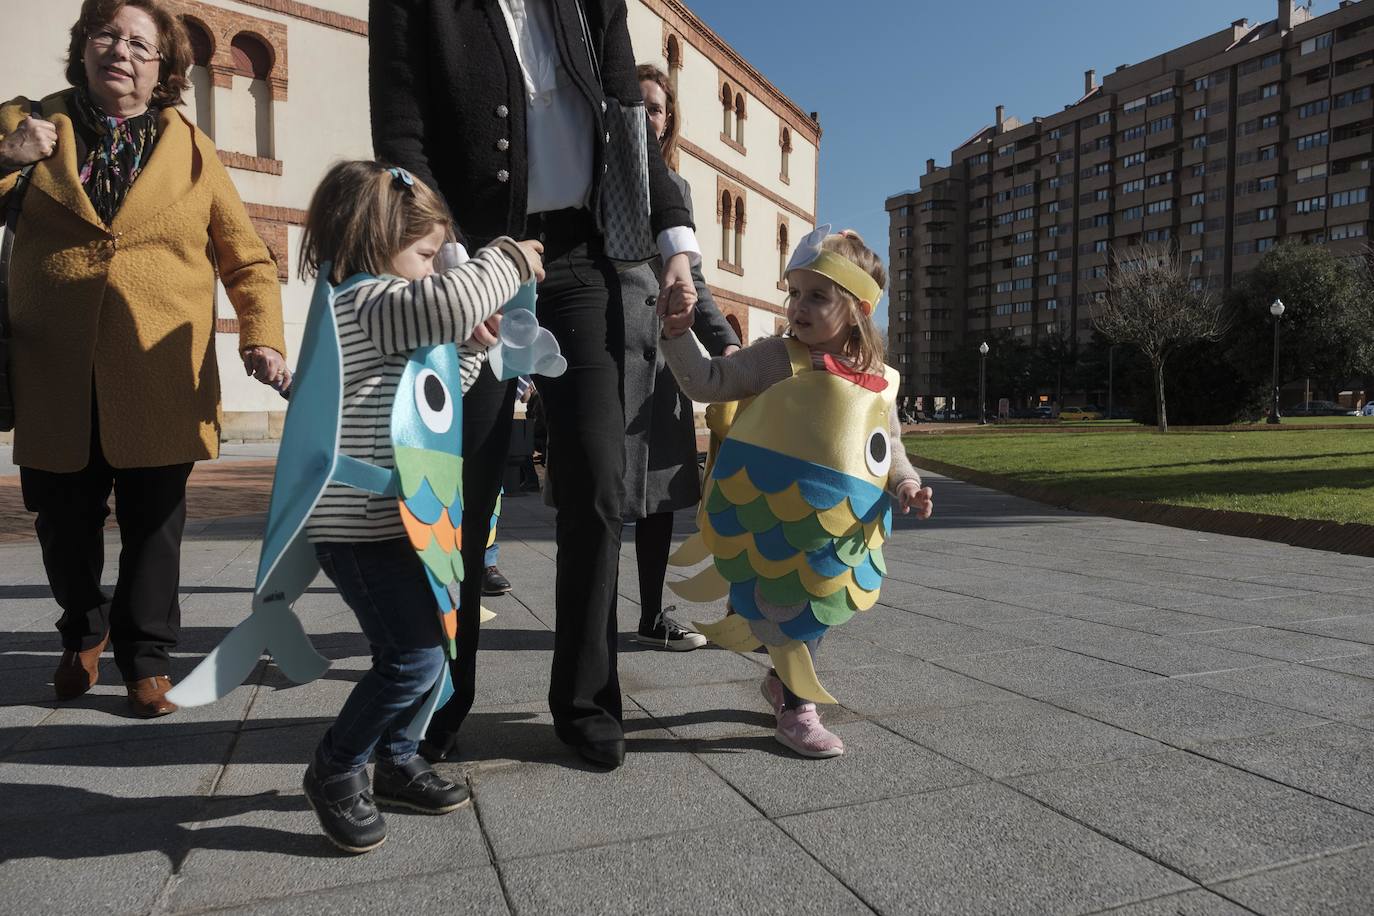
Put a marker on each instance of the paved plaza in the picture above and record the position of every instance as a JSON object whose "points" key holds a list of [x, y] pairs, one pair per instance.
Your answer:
{"points": [[1048, 713]]}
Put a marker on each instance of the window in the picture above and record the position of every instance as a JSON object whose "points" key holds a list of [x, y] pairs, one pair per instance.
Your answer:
{"points": [[1269, 90], [1022, 283], [1310, 205], [1163, 95], [1265, 244], [1199, 113], [1202, 82], [1312, 141], [1197, 228], [1346, 198], [1159, 124], [1006, 149], [1063, 155], [739, 118], [1348, 231], [1199, 142], [1049, 280], [1159, 206], [1315, 44], [1353, 97], [980, 159], [1197, 199], [1159, 178], [1094, 273], [1133, 133], [1100, 246], [199, 95], [1312, 108], [786, 144], [1264, 214], [1199, 170], [1002, 286], [1055, 231], [904, 274], [1255, 64], [251, 124], [1135, 184], [1055, 134], [904, 210], [1133, 160], [1003, 309], [1021, 238], [1021, 306], [783, 253], [1162, 234], [1023, 260], [727, 100], [1050, 305], [1311, 172], [1133, 105], [1131, 213]]}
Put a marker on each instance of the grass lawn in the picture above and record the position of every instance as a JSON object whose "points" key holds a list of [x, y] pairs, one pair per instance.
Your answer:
{"points": [[1298, 473]]}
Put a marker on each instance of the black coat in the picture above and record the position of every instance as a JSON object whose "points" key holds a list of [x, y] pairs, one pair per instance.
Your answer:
{"points": [[448, 103]]}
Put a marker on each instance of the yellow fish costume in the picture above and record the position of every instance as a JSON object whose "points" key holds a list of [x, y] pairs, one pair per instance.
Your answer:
{"points": [[796, 513]]}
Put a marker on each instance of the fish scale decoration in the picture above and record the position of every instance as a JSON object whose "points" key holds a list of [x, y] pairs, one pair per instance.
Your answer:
{"points": [[795, 514]]}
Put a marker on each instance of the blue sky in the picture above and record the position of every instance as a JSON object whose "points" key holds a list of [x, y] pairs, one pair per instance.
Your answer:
{"points": [[900, 81]]}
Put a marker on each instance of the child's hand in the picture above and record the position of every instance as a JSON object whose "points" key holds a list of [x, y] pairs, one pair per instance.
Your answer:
{"points": [[678, 323], [910, 496], [675, 298], [534, 251], [486, 335]]}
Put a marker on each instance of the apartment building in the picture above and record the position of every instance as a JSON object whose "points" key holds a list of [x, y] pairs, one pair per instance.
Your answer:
{"points": [[1225, 146], [281, 87]]}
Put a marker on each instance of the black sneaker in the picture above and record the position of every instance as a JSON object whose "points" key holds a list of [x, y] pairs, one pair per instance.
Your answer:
{"points": [[415, 785], [666, 633], [346, 811], [493, 583]]}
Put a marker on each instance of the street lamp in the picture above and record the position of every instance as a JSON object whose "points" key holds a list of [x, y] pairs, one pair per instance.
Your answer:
{"points": [[1276, 309], [983, 383]]}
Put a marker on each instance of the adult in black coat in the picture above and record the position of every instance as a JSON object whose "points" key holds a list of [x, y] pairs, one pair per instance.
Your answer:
{"points": [[449, 103]]}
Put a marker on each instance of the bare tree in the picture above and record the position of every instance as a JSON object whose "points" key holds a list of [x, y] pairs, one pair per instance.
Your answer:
{"points": [[1155, 304]]}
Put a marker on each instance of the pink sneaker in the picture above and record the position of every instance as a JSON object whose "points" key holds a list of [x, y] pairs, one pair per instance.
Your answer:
{"points": [[801, 730], [771, 688]]}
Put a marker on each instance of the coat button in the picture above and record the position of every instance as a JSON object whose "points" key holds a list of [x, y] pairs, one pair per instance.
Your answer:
{"points": [[603, 106], [503, 176], [651, 301], [650, 354], [502, 111], [608, 136], [503, 144]]}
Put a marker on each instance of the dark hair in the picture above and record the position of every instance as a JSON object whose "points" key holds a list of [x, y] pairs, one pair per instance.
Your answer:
{"points": [[172, 43], [362, 215], [648, 73]]}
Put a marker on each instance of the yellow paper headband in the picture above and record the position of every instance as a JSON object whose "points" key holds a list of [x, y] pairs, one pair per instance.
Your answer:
{"points": [[809, 255]]}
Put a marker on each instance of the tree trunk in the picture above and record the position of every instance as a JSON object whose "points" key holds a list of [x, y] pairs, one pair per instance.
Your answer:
{"points": [[1163, 417]]}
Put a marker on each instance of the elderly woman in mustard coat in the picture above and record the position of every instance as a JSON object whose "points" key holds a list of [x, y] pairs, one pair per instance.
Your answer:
{"points": [[127, 220]]}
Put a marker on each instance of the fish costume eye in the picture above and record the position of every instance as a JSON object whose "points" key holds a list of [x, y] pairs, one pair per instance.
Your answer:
{"points": [[878, 453], [433, 401]]}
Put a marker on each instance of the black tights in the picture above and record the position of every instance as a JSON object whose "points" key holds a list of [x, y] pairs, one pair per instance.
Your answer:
{"points": [[653, 542]]}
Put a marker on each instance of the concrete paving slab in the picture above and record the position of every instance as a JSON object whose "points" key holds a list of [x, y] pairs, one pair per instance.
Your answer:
{"points": [[1206, 820], [876, 764], [930, 637], [1285, 645], [1301, 687], [1339, 883], [1356, 628], [975, 849], [1332, 761], [1020, 736], [740, 869], [1189, 903], [466, 892], [908, 686], [1159, 621], [1043, 670]]}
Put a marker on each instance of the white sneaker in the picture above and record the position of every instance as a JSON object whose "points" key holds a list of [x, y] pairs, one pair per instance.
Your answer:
{"points": [[667, 633]]}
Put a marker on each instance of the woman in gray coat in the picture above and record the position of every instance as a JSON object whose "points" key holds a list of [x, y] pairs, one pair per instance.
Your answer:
{"points": [[661, 473]]}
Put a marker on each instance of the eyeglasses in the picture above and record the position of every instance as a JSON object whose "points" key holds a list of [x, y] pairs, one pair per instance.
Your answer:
{"points": [[139, 49]]}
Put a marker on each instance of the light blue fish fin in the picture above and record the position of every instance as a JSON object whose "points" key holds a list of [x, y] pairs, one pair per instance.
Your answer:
{"points": [[364, 476], [438, 696], [275, 631]]}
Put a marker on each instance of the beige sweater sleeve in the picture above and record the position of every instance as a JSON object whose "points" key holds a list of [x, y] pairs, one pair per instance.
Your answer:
{"points": [[744, 373], [901, 469]]}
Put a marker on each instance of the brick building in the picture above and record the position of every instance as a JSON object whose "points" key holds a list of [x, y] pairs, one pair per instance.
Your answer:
{"points": [[1226, 146], [281, 87]]}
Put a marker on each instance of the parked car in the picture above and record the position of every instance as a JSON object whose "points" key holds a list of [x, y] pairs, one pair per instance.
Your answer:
{"points": [[1367, 410], [1316, 409], [1087, 412], [1045, 413]]}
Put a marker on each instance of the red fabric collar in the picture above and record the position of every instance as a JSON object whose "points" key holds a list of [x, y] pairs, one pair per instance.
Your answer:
{"points": [[863, 379]]}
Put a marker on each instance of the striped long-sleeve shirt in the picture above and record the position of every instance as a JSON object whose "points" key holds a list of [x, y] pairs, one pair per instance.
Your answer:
{"points": [[381, 322]]}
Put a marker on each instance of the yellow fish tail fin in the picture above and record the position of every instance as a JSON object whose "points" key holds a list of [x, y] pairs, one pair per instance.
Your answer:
{"points": [[793, 663], [731, 633], [692, 552], [483, 615], [707, 585]]}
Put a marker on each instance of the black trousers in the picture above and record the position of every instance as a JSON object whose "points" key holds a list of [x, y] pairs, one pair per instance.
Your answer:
{"points": [[143, 616], [579, 302]]}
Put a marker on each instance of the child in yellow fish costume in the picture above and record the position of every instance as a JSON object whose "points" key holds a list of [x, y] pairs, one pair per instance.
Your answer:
{"points": [[796, 507]]}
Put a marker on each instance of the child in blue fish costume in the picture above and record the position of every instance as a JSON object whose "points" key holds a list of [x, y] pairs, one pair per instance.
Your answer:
{"points": [[796, 507], [395, 556]]}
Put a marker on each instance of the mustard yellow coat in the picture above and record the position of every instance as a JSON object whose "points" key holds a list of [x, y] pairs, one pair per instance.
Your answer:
{"points": [[131, 305]]}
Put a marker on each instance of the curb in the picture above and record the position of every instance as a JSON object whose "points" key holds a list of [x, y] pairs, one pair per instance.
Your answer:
{"points": [[1336, 537]]}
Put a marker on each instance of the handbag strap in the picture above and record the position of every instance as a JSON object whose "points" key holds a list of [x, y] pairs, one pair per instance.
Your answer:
{"points": [[13, 206]]}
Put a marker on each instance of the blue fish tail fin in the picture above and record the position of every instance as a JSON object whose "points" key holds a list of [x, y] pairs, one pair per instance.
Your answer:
{"points": [[231, 662], [438, 696]]}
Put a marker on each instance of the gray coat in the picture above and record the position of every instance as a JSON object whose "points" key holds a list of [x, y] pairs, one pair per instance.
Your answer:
{"points": [[660, 430]]}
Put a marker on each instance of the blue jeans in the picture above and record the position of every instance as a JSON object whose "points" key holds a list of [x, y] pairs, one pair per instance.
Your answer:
{"points": [[384, 584]]}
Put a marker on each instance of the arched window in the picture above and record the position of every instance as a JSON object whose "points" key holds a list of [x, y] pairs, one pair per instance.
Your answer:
{"points": [[674, 55], [786, 153], [739, 232], [199, 98], [252, 116], [727, 212], [739, 118], [782, 253], [733, 322], [727, 99]]}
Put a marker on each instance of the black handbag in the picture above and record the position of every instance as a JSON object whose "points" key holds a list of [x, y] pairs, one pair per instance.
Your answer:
{"points": [[623, 209], [13, 206]]}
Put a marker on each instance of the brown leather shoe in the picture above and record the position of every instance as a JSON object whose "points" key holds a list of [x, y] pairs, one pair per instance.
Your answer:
{"points": [[77, 672], [148, 697]]}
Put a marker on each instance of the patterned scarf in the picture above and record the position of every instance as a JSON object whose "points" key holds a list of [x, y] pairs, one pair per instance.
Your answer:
{"points": [[119, 149]]}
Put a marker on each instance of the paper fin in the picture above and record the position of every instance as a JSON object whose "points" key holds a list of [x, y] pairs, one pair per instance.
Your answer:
{"points": [[231, 662], [438, 696], [733, 633], [483, 615], [793, 663], [691, 552], [707, 585]]}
